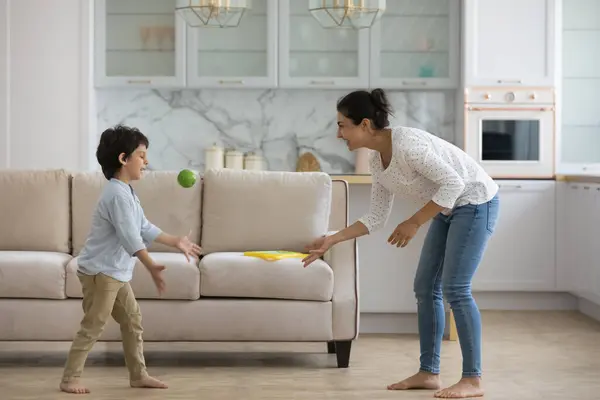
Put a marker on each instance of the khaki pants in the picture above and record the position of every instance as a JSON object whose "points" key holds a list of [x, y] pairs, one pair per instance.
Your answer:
{"points": [[104, 296]]}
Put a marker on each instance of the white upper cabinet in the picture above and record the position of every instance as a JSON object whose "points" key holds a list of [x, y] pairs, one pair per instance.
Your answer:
{"points": [[416, 45], [139, 43], [509, 42], [242, 56], [580, 133], [312, 56]]}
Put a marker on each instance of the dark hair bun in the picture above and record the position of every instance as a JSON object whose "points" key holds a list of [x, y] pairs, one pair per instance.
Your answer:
{"points": [[382, 106], [361, 104]]}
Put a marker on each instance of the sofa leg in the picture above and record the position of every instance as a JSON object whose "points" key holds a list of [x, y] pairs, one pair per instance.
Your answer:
{"points": [[331, 347], [342, 352]]}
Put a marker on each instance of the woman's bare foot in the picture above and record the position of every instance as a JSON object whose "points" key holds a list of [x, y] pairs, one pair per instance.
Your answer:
{"points": [[420, 380], [465, 388], [73, 387], [149, 383]]}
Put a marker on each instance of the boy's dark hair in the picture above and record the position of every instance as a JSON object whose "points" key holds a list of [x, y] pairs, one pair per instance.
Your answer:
{"points": [[114, 141]]}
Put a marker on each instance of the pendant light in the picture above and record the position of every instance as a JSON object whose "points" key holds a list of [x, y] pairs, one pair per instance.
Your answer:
{"points": [[354, 14], [212, 13]]}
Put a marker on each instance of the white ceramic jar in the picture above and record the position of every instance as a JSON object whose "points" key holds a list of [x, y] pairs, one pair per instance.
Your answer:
{"points": [[234, 159], [214, 157], [254, 162]]}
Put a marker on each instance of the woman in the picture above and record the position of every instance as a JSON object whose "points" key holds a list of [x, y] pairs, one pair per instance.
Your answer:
{"points": [[463, 203]]}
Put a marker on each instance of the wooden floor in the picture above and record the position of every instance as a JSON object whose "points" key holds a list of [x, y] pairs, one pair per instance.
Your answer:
{"points": [[527, 355]]}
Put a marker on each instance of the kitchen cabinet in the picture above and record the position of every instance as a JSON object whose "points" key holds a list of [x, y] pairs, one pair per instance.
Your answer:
{"points": [[509, 42], [415, 44], [314, 57], [580, 231], [521, 253], [245, 56], [278, 43], [138, 43], [580, 133]]}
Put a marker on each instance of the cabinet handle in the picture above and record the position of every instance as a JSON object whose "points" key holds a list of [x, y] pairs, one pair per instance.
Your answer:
{"points": [[504, 81], [511, 186], [234, 81], [139, 81], [469, 108], [422, 83], [322, 82]]}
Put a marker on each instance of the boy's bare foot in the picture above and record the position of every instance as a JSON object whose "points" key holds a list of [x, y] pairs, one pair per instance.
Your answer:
{"points": [[465, 388], [420, 380], [73, 387], [148, 382]]}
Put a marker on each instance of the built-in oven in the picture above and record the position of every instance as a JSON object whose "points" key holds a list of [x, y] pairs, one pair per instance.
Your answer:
{"points": [[511, 132]]}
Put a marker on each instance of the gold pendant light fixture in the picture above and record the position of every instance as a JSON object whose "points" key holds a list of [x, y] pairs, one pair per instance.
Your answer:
{"points": [[354, 14], [212, 13]]}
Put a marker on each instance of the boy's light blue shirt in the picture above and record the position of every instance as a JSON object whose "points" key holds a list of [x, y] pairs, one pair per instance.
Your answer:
{"points": [[119, 230]]}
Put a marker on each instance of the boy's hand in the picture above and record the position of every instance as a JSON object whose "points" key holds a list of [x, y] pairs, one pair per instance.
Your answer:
{"points": [[156, 273], [188, 248]]}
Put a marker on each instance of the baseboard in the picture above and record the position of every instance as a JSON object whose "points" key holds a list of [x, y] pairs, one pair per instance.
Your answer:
{"points": [[406, 323], [589, 308]]}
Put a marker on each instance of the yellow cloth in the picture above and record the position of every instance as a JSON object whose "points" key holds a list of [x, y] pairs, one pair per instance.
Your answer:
{"points": [[273, 255]]}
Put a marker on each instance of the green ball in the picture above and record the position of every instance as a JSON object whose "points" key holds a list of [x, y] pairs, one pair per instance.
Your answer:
{"points": [[186, 178]]}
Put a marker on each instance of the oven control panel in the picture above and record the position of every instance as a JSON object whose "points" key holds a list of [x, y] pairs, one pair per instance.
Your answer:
{"points": [[498, 95]]}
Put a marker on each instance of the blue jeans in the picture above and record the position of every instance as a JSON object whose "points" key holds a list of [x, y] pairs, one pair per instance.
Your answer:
{"points": [[453, 248]]}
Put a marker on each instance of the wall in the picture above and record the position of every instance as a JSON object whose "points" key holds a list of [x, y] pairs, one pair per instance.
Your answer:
{"points": [[40, 83], [281, 124]]}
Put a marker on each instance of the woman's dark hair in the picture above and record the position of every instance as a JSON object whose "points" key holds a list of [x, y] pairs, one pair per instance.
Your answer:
{"points": [[361, 104], [114, 141]]}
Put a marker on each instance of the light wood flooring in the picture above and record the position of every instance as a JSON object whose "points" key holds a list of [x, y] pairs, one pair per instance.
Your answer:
{"points": [[527, 355]]}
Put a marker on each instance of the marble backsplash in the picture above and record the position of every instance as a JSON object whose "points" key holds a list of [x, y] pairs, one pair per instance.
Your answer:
{"points": [[279, 124]]}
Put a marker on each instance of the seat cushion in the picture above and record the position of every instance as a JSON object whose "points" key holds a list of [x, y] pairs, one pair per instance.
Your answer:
{"points": [[231, 274], [35, 205], [276, 210], [33, 274], [174, 209], [182, 278]]}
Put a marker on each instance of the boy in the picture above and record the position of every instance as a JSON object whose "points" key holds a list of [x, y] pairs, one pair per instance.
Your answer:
{"points": [[119, 232]]}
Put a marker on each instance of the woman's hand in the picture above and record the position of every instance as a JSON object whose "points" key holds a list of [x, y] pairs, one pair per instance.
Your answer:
{"points": [[403, 233], [188, 248], [316, 249]]}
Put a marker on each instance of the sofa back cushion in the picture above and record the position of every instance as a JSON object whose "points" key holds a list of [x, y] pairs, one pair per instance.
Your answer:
{"points": [[263, 210], [166, 204], [34, 210]]}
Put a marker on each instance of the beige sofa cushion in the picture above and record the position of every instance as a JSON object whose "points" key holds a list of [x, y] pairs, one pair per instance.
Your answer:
{"points": [[231, 274], [182, 278], [32, 274], [264, 210], [166, 204], [35, 205]]}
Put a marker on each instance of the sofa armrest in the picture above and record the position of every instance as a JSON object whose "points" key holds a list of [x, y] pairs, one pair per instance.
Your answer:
{"points": [[343, 260]]}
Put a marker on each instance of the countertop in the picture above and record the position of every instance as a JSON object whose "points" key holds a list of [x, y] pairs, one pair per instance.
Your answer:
{"points": [[356, 179]]}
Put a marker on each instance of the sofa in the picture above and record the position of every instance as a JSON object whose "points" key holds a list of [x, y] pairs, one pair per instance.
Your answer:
{"points": [[223, 296]]}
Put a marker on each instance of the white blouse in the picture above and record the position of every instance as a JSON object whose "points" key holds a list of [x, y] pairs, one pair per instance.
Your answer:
{"points": [[428, 168]]}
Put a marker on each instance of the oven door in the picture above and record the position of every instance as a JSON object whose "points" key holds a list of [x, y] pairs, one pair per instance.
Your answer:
{"points": [[511, 142]]}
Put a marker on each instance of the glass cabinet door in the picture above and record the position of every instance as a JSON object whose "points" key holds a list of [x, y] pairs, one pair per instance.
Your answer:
{"points": [[139, 43], [416, 44], [244, 56], [579, 151], [313, 56]]}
